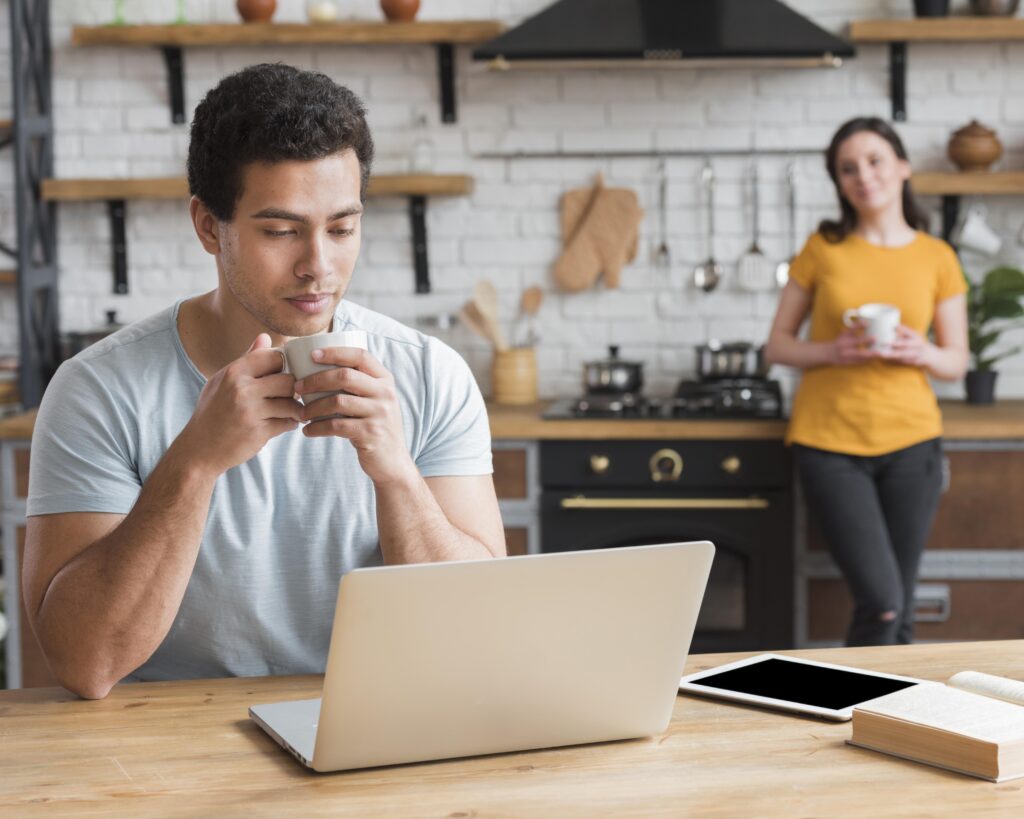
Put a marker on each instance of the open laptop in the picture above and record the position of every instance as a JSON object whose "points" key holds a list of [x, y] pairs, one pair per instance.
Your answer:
{"points": [[439, 660]]}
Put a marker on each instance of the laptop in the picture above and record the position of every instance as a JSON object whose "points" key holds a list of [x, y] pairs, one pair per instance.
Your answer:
{"points": [[440, 660]]}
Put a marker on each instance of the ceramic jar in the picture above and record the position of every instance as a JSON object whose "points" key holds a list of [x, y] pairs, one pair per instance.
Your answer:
{"points": [[974, 147], [256, 11], [400, 11]]}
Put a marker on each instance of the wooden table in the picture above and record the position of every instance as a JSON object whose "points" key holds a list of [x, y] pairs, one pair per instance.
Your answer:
{"points": [[188, 749]]}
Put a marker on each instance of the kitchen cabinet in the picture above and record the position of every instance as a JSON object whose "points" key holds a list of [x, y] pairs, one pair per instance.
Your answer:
{"points": [[972, 572], [516, 483]]}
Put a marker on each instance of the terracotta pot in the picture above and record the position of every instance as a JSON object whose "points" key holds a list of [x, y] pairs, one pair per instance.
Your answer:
{"points": [[400, 11], [974, 147], [256, 11]]}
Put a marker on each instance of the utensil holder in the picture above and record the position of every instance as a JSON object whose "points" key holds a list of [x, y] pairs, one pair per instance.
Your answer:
{"points": [[514, 376]]}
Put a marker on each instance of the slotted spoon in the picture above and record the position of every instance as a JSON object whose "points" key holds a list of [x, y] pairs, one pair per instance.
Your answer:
{"points": [[708, 273]]}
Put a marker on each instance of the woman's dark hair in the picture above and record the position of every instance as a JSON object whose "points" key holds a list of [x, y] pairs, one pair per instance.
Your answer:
{"points": [[270, 113], [836, 231]]}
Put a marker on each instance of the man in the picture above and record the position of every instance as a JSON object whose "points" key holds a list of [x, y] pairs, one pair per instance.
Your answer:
{"points": [[182, 521]]}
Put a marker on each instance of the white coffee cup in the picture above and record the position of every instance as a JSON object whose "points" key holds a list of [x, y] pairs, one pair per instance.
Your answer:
{"points": [[972, 232], [879, 322], [298, 355]]}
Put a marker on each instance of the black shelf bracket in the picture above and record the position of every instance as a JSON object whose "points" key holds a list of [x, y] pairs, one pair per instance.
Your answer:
{"points": [[175, 62], [898, 80], [950, 215], [446, 77], [118, 244], [418, 219]]}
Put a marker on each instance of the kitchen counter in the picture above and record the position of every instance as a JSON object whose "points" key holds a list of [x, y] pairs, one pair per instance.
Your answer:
{"points": [[1002, 420]]}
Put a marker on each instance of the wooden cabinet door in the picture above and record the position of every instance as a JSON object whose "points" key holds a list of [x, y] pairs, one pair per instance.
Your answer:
{"points": [[35, 672], [510, 478]]}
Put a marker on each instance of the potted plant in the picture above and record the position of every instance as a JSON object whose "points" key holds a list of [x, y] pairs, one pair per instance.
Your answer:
{"points": [[993, 305]]}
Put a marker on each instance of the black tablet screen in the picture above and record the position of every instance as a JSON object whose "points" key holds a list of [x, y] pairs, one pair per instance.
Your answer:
{"points": [[805, 684]]}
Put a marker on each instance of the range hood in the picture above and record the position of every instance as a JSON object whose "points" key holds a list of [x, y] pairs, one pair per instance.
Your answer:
{"points": [[665, 33]]}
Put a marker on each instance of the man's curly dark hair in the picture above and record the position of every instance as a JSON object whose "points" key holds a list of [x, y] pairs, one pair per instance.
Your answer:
{"points": [[271, 113]]}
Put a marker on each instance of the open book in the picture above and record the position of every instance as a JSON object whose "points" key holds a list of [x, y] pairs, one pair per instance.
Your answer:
{"points": [[974, 725]]}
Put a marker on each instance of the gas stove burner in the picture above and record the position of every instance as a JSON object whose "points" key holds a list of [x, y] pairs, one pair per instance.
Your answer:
{"points": [[728, 398], [602, 405]]}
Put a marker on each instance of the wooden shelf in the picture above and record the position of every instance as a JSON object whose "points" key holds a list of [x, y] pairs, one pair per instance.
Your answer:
{"points": [[171, 39], [117, 192], [357, 32], [938, 30], [176, 187], [976, 183], [898, 33], [9, 393], [8, 277]]}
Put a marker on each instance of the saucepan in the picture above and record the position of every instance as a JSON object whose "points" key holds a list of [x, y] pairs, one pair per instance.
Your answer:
{"points": [[613, 374], [736, 359]]}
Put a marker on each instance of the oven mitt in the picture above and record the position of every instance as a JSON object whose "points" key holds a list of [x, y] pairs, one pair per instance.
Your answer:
{"points": [[600, 234]]}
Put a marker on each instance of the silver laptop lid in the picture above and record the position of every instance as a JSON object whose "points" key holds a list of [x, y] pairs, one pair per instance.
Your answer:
{"points": [[439, 660]]}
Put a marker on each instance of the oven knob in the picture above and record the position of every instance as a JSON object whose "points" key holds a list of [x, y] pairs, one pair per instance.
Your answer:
{"points": [[666, 465], [731, 465], [599, 464]]}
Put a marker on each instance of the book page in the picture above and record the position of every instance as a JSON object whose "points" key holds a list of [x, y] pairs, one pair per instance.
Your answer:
{"points": [[989, 685], [950, 709]]}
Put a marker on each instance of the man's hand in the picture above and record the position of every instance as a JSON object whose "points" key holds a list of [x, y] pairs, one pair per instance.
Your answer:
{"points": [[242, 407], [909, 347], [372, 420], [852, 347]]}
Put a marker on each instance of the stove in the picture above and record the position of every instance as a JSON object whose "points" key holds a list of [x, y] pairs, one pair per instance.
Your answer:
{"points": [[718, 398]]}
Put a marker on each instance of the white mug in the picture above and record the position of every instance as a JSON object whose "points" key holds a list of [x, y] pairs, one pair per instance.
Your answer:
{"points": [[974, 233], [298, 355], [879, 322]]}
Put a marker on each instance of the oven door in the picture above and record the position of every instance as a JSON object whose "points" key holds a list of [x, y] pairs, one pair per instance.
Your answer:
{"points": [[748, 604]]}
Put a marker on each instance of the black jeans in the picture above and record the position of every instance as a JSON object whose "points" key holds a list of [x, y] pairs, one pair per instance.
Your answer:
{"points": [[875, 514]]}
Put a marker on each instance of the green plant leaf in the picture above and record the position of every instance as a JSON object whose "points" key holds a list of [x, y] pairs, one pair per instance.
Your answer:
{"points": [[1003, 281]]}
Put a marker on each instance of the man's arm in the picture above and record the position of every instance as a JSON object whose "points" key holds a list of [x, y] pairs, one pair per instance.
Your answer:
{"points": [[102, 591], [420, 520]]}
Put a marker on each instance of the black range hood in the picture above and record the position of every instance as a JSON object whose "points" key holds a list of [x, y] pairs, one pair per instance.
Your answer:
{"points": [[660, 33]]}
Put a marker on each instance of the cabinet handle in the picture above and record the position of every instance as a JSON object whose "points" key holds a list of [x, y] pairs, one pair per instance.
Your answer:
{"points": [[932, 603], [581, 502], [599, 464], [731, 465], [657, 464]]}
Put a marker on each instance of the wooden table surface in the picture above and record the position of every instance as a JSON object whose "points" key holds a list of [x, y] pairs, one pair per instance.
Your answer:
{"points": [[188, 749]]}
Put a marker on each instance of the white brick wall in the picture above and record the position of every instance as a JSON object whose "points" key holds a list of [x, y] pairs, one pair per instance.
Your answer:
{"points": [[112, 119]]}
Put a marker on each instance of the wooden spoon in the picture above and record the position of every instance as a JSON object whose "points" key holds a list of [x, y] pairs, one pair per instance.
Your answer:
{"points": [[470, 316], [486, 299]]}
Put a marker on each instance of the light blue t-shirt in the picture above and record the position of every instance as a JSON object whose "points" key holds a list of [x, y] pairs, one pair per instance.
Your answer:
{"points": [[282, 527]]}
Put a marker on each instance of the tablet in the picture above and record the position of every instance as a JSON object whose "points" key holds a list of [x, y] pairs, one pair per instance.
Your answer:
{"points": [[792, 684]]}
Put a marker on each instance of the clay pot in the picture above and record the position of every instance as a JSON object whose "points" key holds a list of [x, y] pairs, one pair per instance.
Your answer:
{"points": [[400, 11], [256, 11], [974, 147]]}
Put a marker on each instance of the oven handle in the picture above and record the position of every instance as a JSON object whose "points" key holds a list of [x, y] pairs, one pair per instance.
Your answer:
{"points": [[580, 502]]}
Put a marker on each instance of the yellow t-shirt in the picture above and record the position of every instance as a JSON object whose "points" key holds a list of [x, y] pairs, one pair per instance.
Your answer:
{"points": [[878, 406]]}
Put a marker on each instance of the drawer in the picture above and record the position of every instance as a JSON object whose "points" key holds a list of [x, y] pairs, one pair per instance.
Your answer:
{"points": [[517, 540], [14, 473], [946, 610], [511, 475]]}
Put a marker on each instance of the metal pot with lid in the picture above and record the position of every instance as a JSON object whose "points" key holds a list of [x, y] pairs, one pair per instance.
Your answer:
{"points": [[737, 359], [73, 342], [613, 374]]}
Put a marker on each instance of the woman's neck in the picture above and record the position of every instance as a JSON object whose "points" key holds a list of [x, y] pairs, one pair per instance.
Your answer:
{"points": [[887, 228]]}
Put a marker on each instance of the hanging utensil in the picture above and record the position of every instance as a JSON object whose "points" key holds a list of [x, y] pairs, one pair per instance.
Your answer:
{"points": [[754, 270], [708, 274], [782, 268], [662, 255]]}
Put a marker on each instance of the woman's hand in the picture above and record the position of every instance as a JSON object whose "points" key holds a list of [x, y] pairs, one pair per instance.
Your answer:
{"points": [[851, 347], [908, 347]]}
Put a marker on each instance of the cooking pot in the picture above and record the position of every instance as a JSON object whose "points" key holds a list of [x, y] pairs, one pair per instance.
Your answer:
{"points": [[73, 342], [737, 359], [612, 374]]}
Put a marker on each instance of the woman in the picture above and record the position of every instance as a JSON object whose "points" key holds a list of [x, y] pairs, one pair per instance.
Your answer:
{"points": [[865, 423]]}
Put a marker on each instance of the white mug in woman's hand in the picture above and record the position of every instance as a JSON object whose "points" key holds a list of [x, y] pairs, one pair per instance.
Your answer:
{"points": [[879, 322], [298, 355]]}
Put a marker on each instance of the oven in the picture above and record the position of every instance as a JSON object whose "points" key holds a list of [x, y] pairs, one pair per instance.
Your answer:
{"points": [[737, 494]]}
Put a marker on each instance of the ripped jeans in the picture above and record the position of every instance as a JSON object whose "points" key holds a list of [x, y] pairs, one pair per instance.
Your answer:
{"points": [[875, 514]]}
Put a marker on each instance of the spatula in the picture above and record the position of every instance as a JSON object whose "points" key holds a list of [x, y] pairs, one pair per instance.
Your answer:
{"points": [[754, 270]]}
